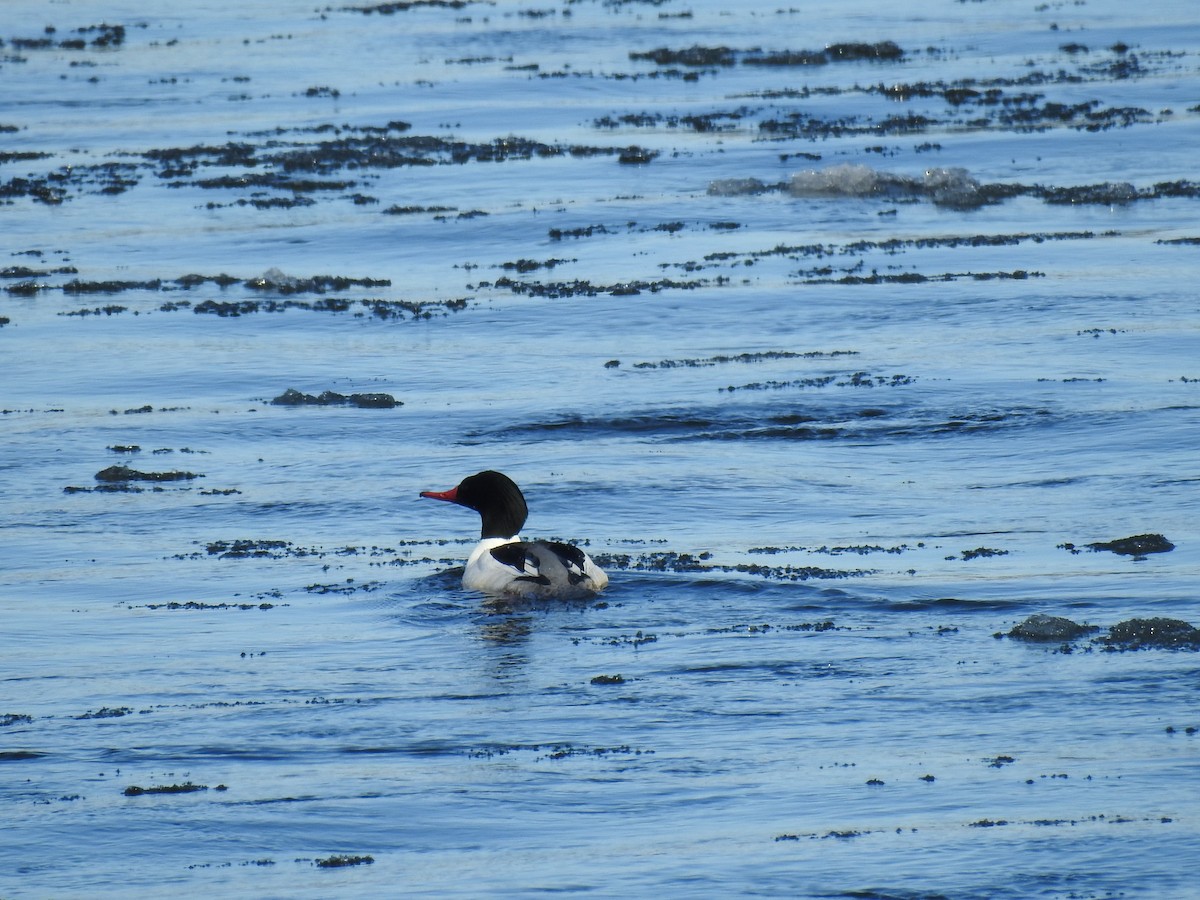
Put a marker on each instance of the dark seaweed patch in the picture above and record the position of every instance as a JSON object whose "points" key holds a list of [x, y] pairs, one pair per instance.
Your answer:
{"points": [[379, 308], [377, 151], [349, 586], [293, 397], [186, 788], [696, 56], [26, 272], [556, 751], [121, 473], [1132, 634], [338, 862], [889, 247], [566, 751], [232, 309], [274, 180], [532, 265], [241, 549], [76, 286], [143, 410], [279, 283], [110, 310], [196, 605], [246, 548], [560, 289], [723, 57], [918, 278], [276, 164], [557, 234], [1100, 819], [854, 379], [107, 712], [187, 282], [859, 549], [387, 9], [981, 553], [668, 561], [767, 628], [412, 210], [756, 357], [635, 156], [704, 123], [1160, 633], [1042, 628], [836, 835], [105, 37], [269, 283], [1136, 546]]}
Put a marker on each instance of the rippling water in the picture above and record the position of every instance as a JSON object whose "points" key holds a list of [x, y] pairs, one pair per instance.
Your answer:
{"points": [[838, 334]]}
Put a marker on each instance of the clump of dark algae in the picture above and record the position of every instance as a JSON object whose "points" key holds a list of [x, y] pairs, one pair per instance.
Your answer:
{"points": [[1136, 546], [1159, 633], [338, 862], [1042, 628], [123, 479], [107, 712], [293, 397], [186, 788], [245, 549], [711, 57], [118, 474]]}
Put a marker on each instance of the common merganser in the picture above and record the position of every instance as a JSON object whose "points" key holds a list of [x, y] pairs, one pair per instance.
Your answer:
{"points": [[501, 562]]}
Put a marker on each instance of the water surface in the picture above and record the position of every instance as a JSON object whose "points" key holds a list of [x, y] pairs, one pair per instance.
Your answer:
{"points": [[837, 333]]}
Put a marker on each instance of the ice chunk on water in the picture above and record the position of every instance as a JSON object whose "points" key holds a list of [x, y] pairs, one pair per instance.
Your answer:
{"points": [[844, 180], [275, 278], [953, 187], [947, 187], [737, 187]]}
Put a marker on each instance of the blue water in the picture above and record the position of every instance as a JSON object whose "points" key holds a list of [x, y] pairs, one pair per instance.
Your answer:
{"points": [[830, 422]]}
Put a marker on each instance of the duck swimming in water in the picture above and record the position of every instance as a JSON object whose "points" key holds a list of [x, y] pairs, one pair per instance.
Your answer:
{"points": [[501, 562]]}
